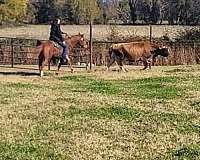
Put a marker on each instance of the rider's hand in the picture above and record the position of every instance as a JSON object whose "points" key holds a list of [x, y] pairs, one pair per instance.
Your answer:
{"points": [[64, 42]]}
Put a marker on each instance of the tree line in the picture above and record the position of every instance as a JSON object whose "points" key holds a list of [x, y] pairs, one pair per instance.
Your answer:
{"points": [[183, 12]]}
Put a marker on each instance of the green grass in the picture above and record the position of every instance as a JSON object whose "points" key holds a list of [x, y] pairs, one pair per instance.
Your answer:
{"points": [[28, 150], [87, 116], [159, 87], [190, 152]]}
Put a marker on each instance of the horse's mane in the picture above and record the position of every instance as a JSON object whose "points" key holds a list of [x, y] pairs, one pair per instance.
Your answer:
{"points": [[71, 36]]}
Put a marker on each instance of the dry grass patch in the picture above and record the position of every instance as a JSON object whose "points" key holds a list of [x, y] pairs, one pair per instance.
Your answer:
{"points": [[137, 115]]}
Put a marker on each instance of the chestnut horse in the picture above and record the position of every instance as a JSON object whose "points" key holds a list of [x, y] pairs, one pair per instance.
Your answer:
{"points": [[47, 51]]}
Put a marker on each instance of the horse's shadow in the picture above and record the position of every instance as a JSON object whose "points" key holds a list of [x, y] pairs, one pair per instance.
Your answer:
{"points": [[21, 73], [25, 73]]}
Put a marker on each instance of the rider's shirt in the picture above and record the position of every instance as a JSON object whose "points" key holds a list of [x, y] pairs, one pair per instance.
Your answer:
{"points": [[56, 33]]}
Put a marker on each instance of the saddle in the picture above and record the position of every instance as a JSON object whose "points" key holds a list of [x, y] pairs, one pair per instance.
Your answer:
{"points": [[56, 45]]}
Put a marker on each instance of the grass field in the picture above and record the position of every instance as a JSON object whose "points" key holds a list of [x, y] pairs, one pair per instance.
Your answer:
{"points": [[147, 115]]}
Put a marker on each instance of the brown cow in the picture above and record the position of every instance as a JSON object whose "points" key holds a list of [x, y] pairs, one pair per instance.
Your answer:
{"points": [[137, 51]]}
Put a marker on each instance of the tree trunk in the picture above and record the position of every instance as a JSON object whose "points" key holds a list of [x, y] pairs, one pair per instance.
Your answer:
{"points": [[132, 5]]}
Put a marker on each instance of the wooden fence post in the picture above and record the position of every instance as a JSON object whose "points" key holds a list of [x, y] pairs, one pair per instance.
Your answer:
{"points": [[195, 54], [90, 45], [49, 66], [150, 32], [12, 52]]}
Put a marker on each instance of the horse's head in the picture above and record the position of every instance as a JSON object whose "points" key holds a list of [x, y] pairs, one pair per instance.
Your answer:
{"points": [[75, 40], [82, 41]]}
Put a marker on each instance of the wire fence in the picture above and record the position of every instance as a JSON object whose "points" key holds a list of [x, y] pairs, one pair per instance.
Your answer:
{"points": [[14, 51], [181, 53]]}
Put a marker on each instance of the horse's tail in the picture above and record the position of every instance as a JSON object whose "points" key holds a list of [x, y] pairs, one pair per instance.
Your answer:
{"points": [[37, 51]]}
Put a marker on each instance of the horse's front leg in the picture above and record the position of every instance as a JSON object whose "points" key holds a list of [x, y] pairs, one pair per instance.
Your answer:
{"points": [[59, 65], [61, 62], [70, 64], [41, 66]]}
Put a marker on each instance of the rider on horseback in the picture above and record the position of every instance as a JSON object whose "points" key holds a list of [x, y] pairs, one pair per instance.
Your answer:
{"points": [[56, 36]]}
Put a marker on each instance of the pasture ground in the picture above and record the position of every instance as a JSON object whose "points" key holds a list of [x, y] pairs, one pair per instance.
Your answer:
{"points": [[147, 115]]}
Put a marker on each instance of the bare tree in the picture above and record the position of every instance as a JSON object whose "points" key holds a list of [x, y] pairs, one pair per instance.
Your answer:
{"points": [[133, 9]]}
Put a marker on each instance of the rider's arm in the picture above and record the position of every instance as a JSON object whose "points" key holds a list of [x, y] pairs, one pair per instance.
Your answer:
{"points": [[59, 30]]}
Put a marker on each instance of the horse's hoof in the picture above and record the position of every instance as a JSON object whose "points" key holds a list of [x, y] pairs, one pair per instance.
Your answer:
{"points": [[41, 73], [56, 73]]}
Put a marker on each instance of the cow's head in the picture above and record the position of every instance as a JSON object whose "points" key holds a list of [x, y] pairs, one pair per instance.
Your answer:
{"points": [[161, 51]]}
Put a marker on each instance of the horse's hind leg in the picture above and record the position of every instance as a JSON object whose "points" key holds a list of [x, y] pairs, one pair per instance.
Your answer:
{"points": [[41, 66]]}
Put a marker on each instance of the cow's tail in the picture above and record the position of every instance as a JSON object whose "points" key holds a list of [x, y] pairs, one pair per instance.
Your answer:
{"points": [[110, 51]]}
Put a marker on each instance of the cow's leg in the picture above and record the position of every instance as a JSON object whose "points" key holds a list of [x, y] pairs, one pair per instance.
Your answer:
{"points": [[149, 63], [165, 61], [119, 62], [145, 64], [111, 61], [154, 59]]}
